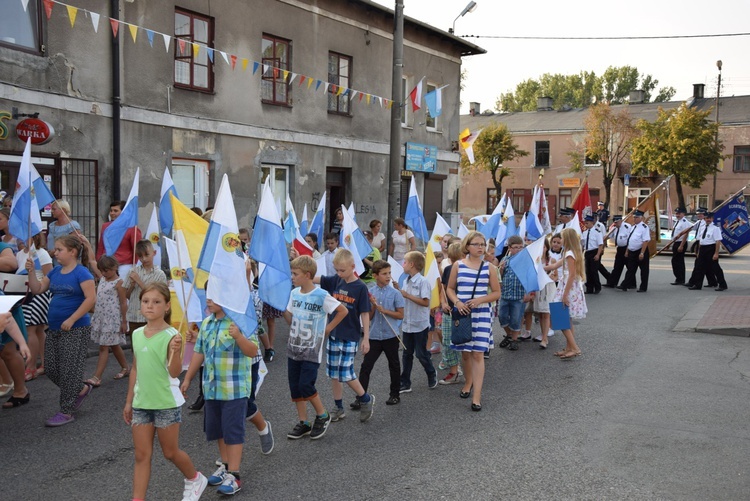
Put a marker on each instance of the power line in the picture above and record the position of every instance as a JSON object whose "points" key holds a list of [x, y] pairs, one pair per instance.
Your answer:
{"points": [[658, 37]]}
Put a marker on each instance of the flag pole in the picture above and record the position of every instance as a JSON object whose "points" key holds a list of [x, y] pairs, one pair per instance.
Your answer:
{"points": [[580, 188], [393, 330]]}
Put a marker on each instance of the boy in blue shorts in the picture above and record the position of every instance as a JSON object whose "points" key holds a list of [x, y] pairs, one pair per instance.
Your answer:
{"points": [[226, 354], [306, 314], [513, 297], [342, 344]]}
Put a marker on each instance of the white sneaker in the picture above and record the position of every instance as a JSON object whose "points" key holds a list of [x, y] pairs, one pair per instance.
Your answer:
{"points": [[550, 333], [538, 338], [194, 488]]}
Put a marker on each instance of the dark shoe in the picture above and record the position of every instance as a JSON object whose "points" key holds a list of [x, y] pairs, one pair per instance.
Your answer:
{"points": [[677, 283], [608, 286], [694, 288], [393, 401], [476, 407], [597, 292], [198, 404], [270, 353], [465, 394], [641, 290], [513, 346], [356, 405], [486, 355], [320, 426], [405, 389], [687, 284], [623, 289], [17, 401], [505, 342], [720, 289], [300, 430], [712, 285]]}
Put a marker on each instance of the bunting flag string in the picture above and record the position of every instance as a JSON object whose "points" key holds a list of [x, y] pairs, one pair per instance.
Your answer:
{"points": [[230, 59]]}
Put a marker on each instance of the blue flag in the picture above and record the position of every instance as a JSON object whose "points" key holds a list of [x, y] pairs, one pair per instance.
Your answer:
{"points": [[414, 216], [317, 225], [165, 205], [115, 232], [30, 197], [732, 218]]}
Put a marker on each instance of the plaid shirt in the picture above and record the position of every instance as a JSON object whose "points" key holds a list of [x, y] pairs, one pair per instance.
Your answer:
{"points": [[512, 289], [226, 370]]}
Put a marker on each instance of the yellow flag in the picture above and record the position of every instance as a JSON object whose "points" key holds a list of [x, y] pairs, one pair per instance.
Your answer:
{"points": [[194, 228], [286, 74], [309, 82], [196, 50], [244, 63], [432, 273], [340, 90], [367, 98], [133, 31], [72, 13]]}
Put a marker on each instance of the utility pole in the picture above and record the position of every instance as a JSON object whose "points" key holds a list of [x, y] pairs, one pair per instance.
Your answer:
{"points": [[718, 94], [394, 171]]}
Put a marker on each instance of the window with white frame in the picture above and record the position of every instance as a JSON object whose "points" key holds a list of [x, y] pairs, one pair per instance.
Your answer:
{"points": [[279, 176], [695, 201], [432, 123], [406, 113], [20, 27], [190, 179], [565, 197], [641, 194]]}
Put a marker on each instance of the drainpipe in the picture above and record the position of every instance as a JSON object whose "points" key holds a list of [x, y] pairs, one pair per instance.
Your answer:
{"points": [[115, 14]]}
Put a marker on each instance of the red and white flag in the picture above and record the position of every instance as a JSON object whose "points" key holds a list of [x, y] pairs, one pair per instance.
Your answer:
{"points": [[416, 96]]}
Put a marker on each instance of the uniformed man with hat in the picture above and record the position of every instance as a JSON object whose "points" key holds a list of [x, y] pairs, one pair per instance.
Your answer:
{"points": [[566, 215], [708, 255], [679, 246], [619, 235], [637, 254], [592, 242], [602, 214], [697, 231]]}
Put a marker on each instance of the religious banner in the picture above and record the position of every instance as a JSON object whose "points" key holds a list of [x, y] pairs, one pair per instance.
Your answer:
{"points": [[732, 218]]}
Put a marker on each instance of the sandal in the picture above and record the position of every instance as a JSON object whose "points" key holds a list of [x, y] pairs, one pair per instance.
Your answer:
{"points": [[29, 374], [40, 371], [6, 389], [123, 373], [570, 355], [17, 401], [94, 381]]}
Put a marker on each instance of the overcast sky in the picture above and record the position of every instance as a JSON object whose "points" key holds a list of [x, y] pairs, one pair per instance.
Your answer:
{"points": [[679, 63]]}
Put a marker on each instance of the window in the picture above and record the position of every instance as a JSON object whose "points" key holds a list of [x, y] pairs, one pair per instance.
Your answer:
{"points": [[695, 201], [741, 159], [190, 179], [566, 197], [279, 175], [590, 161], [432, 123], [193, 69], [339, 74], [541, 158], [492, 200], [406, 113], [277, 57], [19, 28], [521, 200], [640, 193]]}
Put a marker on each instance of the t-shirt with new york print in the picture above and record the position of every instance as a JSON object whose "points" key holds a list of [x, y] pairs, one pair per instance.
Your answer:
{"points": [[309, 319]]}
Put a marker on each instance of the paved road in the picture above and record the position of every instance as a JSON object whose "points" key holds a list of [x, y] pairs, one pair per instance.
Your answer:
{"points": [[645, 413]]}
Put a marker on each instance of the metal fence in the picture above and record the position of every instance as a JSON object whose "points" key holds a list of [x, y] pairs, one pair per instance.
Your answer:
{"points": [[79, 186]]}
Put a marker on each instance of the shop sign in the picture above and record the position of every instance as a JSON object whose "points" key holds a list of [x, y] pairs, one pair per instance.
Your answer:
{"points": [[421, 157], [568, 182], [38, 130], [4, 130]]}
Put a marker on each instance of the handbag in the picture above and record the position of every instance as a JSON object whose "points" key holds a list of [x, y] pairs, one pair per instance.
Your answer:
{"points": [[461, 326]]}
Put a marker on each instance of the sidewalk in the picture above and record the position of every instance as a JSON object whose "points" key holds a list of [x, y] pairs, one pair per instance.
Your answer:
{"points": [[727, 315]]}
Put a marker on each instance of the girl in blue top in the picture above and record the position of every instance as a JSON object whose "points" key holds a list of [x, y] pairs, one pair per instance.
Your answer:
{"points": [[73, 296]]}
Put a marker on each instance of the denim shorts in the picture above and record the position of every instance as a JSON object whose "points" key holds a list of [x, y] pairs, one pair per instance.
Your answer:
{"points": [[511, 314], [160, 418], [340, 359]]}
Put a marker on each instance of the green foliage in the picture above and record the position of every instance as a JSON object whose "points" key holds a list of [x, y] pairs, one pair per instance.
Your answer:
{"points": [[582, 89], [492, 148]]}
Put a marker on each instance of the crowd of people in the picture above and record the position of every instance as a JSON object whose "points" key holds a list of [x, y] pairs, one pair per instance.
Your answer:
{"points": [[331, 317]]}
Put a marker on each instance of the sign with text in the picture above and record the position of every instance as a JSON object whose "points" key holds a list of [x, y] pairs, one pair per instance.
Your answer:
{"points": [[38, 130], [421, 157], [569, 182], [733, 221]]}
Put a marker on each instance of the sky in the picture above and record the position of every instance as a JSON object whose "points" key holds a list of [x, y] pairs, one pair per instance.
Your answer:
{"points": [[678, 62]]}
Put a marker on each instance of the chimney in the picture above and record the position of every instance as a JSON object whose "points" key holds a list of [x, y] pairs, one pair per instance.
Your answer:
{"points": [[474, 109], [637, 97], [698, 90], [544, 104]]}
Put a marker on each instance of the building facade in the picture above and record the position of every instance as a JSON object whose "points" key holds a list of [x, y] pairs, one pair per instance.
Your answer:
{"points": [[295, 90], [551, 135]]}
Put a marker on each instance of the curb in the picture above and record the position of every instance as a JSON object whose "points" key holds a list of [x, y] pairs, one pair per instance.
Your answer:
{"points": [[689, 322]]}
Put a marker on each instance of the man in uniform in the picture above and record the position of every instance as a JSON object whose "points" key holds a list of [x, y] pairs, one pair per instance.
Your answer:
{"points": [[697, 230], [637, 254], [708, 255], [566, 215], [602, 215], [592, 242], [619, 234], [679, 246]]}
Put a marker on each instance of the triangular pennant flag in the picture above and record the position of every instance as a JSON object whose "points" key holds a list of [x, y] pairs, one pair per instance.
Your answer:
{"points": [[339, 91], [166, 41], [361, 96], [133, 31], [326, 86], [210, 54], [25, 4], [181, 45], [317, 85], [285, 73], [265, 69], [302, 79], [352, 94], [225, 56], [368, 98], [294, 75], [196, 50], [234, 60], [255, 66], [244, 63], [332, 87], [390, 105], [309, 81], [115, 26], [150, 36], [95, 21], [48, 8], [275, 73], [72, 13]]}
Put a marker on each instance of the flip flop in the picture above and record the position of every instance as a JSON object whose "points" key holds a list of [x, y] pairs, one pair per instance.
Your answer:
{"points": [[17, 401]]}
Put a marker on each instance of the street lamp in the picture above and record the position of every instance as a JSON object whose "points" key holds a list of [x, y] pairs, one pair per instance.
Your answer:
{"points": [[470, 7], [718, 93]]}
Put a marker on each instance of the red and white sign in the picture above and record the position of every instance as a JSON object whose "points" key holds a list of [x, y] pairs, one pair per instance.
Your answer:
{"points": [[38, 130]]}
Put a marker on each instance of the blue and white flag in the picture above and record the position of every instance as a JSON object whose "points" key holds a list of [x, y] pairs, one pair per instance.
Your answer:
{"points": [[534, 226], [733, 220], [290, 224], [352, 211], [527, 265], [165, 205], [115, 232], [489, 227], [440, 229], [268, 247], [348, 241], [153, 236], [304, 223], [223, 259], [180, 272], [434, 101], [318, 224], [414, 216], [30, 197], [462, 230]]}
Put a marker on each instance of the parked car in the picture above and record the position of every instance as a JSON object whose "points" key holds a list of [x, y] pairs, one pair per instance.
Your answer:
{"points": [[666, 235]]}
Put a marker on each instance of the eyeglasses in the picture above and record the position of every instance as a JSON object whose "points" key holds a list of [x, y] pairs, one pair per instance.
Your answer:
{"points": [[479, 245]]}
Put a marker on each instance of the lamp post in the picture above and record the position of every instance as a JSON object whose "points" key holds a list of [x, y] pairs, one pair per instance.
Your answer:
{"points": [[718, 94], [470, 7], [395, 162]]}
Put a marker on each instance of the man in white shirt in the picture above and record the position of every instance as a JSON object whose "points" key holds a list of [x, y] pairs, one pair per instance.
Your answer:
{"points": [[708, 255], [679, 246], [566, 214], [697, 230], [593, 247], [637, 254], [619, 235]]}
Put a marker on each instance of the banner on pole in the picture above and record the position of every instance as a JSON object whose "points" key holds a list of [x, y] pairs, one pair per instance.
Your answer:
{"points": [[732, 218]]}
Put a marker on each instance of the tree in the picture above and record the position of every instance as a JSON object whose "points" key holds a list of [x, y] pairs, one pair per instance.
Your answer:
{"points": [[492, 148], [680, 142], [582, 89], [609, 135]]}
